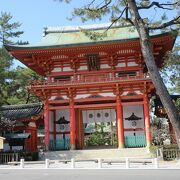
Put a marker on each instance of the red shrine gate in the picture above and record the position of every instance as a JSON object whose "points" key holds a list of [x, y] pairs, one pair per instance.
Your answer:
{"points": [[85, 75]]}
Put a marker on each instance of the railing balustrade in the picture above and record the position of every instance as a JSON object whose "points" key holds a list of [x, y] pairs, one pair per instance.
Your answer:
{"points": [[84, 80], [127, 163]]}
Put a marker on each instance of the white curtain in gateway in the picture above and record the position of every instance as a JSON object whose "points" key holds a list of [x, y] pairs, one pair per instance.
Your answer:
{"points": [[90, 116], [106, 115], [138, 111], [113, 115], [98, 115], [60, 114]]}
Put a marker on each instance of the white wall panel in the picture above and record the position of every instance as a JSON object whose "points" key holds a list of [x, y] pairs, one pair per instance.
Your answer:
{"points": [[121, 64], [51, 137], [132, 64], [56, 70], [107, 94], [83, 68], [104, 66], [82, 96], [67, 69], [51, 122]]}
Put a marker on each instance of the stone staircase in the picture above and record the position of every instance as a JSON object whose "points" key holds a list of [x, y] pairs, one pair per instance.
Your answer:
{"points": [[98, 153]]}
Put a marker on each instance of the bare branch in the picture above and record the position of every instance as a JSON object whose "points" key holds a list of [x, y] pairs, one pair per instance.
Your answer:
{"points": [[105, 5], [98, 9], [157, 4], [91, 3], [116, 19], [127, 17], [166, 24]]}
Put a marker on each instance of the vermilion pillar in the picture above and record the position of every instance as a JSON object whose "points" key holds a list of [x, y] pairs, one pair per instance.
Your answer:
{"points": [[72, 124], [147, 121], [120, 123], [46, 124]]}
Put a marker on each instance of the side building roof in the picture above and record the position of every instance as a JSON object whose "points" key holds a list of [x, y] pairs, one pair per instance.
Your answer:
{"points": [[19, 112]]}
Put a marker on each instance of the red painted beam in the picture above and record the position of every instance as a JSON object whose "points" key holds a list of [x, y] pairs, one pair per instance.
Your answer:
{"points": [[136, 129], [90, 106]]}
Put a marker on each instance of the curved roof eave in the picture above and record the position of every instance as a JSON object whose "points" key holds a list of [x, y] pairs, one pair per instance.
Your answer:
{"points": [[10, 47]]}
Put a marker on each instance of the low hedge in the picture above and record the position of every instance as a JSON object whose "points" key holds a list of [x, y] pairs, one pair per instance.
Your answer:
{"points": [[29, 156]]}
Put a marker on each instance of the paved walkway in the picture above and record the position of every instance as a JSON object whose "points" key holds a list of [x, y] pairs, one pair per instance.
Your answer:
{"points": [[89, 174]]}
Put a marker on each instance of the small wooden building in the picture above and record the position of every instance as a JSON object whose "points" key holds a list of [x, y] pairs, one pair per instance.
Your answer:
{"points": [[19, 126]]}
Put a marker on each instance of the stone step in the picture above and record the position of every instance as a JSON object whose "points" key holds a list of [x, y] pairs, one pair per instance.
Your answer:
{"points": [[98, 153]]}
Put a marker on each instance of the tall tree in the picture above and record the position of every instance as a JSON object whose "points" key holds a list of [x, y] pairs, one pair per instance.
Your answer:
{"points": [[8, 32], [130, 11], [171, 71], [17, 91]]}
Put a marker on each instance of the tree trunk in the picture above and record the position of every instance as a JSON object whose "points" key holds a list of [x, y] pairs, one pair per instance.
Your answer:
{"points": [[147, 51]]}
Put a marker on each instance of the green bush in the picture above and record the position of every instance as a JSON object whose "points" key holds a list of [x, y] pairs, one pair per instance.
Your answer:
{"points": [[98, 138], [29, 156]]}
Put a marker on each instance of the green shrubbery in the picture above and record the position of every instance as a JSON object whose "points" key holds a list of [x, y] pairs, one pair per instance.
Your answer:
{"points": [[98, 138], [29, 156]]}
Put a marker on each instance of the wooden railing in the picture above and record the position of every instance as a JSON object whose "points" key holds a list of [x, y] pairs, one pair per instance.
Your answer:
{"points": [[8, 157], [76, 81], [171, 154]]}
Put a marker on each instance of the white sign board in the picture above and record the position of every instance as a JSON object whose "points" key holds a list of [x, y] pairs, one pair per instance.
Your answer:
{"points": [[1, 142]]}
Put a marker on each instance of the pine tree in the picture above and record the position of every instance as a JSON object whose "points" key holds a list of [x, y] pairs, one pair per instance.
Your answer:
{"points": [[8, 31]]}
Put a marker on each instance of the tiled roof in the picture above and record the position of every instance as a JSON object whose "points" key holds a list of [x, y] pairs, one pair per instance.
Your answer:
{"points": [[23, 111], [64, 36]]}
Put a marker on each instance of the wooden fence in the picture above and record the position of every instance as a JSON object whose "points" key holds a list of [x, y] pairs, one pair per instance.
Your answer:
{"points": [[8, 157]]}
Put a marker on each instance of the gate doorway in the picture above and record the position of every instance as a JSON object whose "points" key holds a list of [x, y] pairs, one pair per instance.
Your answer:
{"points": [[99, 128]]}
